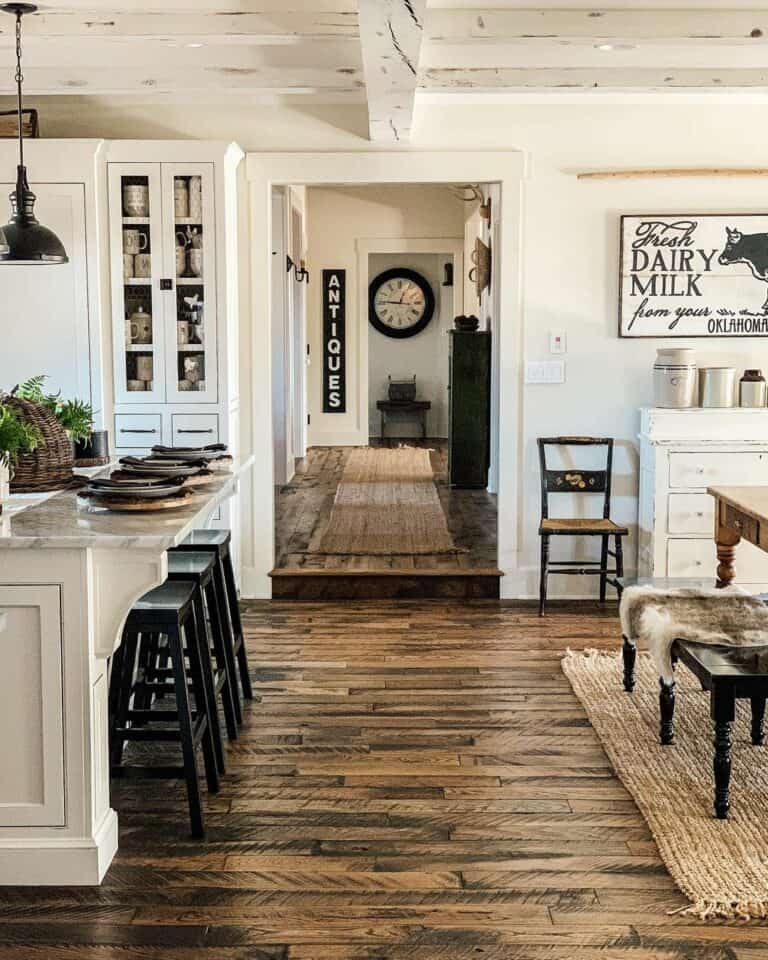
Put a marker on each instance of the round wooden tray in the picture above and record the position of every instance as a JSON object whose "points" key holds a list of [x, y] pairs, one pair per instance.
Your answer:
{"points": [[124, 504]]}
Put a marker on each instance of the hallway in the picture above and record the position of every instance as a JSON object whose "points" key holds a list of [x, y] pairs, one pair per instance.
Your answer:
{"points": [[303, 508], [414, 780]]}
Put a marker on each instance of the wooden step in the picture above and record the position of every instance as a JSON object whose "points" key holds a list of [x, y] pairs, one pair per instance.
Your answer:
{"points": [[296, 583]]}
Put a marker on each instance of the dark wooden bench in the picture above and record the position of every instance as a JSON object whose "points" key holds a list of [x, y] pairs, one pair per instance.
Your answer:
{"points": [[729, 674]]}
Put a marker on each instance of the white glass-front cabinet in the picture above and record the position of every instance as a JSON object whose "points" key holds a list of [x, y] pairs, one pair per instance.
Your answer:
{"points": [[163, 282]]}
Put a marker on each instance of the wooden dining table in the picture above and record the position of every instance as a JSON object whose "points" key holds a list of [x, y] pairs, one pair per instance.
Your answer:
{"points": [[741, 513]]}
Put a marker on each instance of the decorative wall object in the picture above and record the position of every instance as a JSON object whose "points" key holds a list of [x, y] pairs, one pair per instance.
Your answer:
{"points": [[334, 341], [691, 275], [9, 124], [481, 258], [400, 302]]}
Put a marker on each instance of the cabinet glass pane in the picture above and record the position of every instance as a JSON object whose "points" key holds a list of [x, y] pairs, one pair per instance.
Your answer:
{"points": [[137, 283], [191, 243]]}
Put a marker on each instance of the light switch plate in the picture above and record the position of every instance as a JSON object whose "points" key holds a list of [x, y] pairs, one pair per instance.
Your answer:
{"points": [[557, 343], [545, 371]]}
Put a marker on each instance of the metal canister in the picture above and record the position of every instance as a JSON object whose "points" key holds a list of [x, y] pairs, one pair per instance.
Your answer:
{"points": [[752, 389], [717, 386]]}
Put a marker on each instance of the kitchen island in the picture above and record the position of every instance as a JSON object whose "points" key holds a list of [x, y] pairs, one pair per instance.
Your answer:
{"points": [[69, 575]]}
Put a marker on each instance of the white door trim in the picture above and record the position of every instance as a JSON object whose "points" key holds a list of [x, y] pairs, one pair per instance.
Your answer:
{"points": [[265, 170]]}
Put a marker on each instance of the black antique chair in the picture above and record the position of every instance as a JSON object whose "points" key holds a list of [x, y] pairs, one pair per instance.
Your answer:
{"points": [[576, 481]]}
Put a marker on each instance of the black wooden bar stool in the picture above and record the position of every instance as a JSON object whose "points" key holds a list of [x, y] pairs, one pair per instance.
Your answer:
{"points": [[166, 612], [218, 542], [200, 568]]}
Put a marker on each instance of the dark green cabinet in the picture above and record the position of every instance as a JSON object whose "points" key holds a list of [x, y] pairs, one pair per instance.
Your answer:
{"points": [[469, 409]]}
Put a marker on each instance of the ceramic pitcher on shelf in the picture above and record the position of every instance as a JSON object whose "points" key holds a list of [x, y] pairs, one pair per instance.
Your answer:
{"points": [[196, 198], [180, 197]]}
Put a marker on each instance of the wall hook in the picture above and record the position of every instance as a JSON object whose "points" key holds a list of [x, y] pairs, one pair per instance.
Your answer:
{"points": [[300, 272]]}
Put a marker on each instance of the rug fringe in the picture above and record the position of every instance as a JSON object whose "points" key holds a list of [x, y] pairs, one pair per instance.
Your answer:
{"points": [[724, 910]]}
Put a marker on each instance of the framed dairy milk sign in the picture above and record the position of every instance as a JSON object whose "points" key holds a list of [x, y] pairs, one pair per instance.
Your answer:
{"points": [[334, 341], [694, 276]]}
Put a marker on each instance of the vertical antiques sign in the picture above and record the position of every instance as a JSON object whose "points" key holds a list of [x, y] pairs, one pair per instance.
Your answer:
{"points": [[694, 276], [334, 341]]}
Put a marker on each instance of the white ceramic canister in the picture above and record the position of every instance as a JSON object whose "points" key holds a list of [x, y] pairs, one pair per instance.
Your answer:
{"points": [[717, 387], [674, 378]]}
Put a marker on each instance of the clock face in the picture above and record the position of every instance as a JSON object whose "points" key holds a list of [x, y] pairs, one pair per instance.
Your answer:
{"points": [[400, 302]]}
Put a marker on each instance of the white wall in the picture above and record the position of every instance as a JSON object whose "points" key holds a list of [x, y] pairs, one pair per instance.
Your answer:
{"points": [[424, 355], [569, 234], [337, 218]]}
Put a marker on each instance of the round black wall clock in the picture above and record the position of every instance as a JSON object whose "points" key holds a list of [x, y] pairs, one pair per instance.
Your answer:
{"points": [[400, 302]]}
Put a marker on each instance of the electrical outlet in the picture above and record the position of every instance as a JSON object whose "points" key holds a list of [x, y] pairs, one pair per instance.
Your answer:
{"points": [[545, 371]]}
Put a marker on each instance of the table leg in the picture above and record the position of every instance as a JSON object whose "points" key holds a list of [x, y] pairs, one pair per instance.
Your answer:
{"points": [[383, 424], [629, 655], [423, 424], [726, 541], [667, 711], [723, 710]]}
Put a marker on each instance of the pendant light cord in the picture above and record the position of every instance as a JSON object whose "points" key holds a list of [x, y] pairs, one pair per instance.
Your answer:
{"points": [[19, 81]]}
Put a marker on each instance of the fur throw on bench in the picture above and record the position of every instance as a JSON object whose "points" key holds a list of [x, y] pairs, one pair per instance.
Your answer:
{"points": [[654, 618]]}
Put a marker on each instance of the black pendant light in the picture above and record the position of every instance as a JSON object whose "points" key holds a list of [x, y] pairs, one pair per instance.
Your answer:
{"points": [[23, 240]]}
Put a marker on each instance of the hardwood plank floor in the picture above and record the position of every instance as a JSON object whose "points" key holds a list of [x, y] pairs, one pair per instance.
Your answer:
{"points": [[415, 781], [303, 508]]}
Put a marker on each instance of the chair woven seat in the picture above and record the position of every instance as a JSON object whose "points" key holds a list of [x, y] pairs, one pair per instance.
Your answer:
{"points": [[581, 526]]}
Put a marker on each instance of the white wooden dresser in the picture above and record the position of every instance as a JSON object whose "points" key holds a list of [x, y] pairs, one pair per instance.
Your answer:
{"points": [[682, 452]]}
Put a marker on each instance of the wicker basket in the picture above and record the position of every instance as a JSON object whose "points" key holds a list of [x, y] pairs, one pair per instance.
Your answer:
{"points": [[49, 467]]}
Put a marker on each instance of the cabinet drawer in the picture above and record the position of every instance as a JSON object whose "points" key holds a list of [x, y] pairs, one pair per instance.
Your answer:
{"points": [[698, 559], [194, 429], [138, 429], [691, 513], [704, 469]]}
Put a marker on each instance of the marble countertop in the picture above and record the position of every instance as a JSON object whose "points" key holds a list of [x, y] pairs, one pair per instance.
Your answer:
{"points": [[62, 521]]}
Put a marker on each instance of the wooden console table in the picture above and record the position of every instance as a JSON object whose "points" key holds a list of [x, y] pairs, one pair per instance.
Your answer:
{"points": [[740, 513], [417, 408]]}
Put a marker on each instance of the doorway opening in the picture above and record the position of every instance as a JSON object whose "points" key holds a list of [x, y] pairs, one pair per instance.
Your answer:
{"points": [[392, 489]]}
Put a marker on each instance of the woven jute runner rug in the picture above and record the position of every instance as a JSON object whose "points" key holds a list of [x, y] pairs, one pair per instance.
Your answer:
{"points": [[721, 866], [386, 503]]}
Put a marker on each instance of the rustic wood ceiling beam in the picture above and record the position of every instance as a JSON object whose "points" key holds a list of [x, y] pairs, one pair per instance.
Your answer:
{"points": [[479, 80], [210, 27], [163, 79], [598, 26], [391, 33]]}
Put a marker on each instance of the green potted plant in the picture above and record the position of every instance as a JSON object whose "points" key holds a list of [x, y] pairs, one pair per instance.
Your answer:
{"points": [[16, 437], [76, 416]]}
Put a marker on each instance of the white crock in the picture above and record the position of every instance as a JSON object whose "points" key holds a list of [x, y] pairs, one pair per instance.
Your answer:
{"points": [[674, 378]]}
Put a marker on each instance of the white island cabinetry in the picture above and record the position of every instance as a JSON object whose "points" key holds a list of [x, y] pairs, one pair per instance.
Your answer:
{"points": [[68, 578]]}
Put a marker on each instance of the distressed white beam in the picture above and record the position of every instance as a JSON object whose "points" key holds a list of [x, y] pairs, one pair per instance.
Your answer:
{"points": [[709, 27], [162, 79], [391, 32], [488, 80], [211, 27]]}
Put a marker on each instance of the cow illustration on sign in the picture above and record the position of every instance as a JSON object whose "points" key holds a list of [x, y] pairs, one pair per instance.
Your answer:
{"points": [[749, 248]]}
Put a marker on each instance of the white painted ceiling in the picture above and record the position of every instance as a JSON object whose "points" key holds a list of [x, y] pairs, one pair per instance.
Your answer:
{"points": [[311, 48], [215, 49]]}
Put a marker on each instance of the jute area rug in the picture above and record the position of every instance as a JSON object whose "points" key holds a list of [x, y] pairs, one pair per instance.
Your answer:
{"points": [[386, 503], [721, 866]]}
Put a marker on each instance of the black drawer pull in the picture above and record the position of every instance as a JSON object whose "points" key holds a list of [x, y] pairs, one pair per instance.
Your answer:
{"points": [[138, 430], [209, 430]]}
